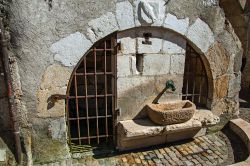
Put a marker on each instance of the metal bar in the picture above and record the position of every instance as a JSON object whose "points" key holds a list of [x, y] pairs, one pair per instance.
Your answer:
{"points": [[67, 108], [100, 136], [86, 99], [191, 94], [193, 56], [188, 68], [113, 64], [97, 73], [12, 109], [107, 49], [77, 110], [90, 117], [106, 92], [90, 96], [96, 103], [200, 89], [194, 79]]}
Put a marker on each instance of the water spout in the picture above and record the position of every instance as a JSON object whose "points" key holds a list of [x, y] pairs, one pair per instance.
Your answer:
{"points": [[170, 85]]}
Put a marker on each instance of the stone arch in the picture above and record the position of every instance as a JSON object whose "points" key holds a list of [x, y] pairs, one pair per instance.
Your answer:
{"points": [[197, 48], [239, 20], [69, 50], [199, 36]]}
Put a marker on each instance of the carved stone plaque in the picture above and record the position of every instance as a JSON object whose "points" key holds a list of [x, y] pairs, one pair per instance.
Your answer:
{"points": [[148, 11]]}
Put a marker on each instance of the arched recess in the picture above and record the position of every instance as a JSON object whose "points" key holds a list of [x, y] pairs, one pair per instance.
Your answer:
{"points": [[195, 83], [91, 96], [80, 70]]}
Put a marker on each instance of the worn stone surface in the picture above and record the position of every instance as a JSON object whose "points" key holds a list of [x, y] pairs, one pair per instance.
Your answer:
{"points": [[221, 87], [70, 49], [206, 117], [139, 91], [177, 64], [5, 121], [242, 129], [175, 24], [134, 70], [53, 83], [149, 12], [125, 15], [152, 65], [168, 113], [128, 41], [124, 66], [218, 54], [2, 155], [47, 145], [239, 23], [6, 155], [199, 31], [234, 85], [139, 128], [57, 129], [173, 43], [156, 41], [102, 27], [142, 132], [211, 149]]}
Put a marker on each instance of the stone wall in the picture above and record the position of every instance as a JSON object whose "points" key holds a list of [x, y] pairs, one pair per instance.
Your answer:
{"points": [[49, 39], [6, 135], [162, 60], [237, 13]]}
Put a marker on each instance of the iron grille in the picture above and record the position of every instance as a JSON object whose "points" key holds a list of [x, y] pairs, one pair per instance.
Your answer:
{"points": [[195, 84], [91, 96]]}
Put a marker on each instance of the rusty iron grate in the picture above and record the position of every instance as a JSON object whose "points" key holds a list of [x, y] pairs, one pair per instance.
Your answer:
{"points": [[91, 97], [195, 83]]}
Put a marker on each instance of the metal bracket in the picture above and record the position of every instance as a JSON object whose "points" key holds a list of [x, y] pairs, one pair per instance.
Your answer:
{"points": [[118, 111], [56, 97], [118, 46], [147, 37]]}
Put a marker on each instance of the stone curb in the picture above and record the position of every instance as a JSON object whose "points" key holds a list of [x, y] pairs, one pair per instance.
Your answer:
{"points": [[242, 129]]}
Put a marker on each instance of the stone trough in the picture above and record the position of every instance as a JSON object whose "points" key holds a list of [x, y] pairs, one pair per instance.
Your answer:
{"points": [[141, 133], [171, 112]]}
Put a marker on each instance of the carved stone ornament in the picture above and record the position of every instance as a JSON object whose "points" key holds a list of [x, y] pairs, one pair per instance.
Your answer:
{"points": [[148, 11]]}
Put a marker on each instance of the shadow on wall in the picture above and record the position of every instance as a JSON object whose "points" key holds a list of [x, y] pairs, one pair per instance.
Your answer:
{"points": [[53, 99], [133, 101]]}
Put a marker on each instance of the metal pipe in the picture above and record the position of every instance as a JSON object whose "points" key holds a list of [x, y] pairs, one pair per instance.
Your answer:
{"points": [[12, 110]]}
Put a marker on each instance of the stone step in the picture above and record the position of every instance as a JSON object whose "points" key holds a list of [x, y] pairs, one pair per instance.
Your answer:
{"points": [[6, 155], [3, 156]]}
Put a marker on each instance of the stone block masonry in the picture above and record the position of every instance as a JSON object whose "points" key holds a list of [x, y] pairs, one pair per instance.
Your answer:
{"points": [[162, 59], [54, 40]]}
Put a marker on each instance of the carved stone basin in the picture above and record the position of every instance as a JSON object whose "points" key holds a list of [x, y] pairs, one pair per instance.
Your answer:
{"points": [[173, 112]]}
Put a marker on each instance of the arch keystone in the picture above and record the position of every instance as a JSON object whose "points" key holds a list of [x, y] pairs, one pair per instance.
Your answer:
{"points": [[201, 35]]}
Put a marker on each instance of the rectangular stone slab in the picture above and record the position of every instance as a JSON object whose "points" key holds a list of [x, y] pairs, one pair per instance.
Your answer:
{"points": [[140, 133]]}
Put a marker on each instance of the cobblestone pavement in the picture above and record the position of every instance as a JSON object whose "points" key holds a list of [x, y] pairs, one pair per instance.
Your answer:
{"points": [[245, 114], [206, 150]]}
